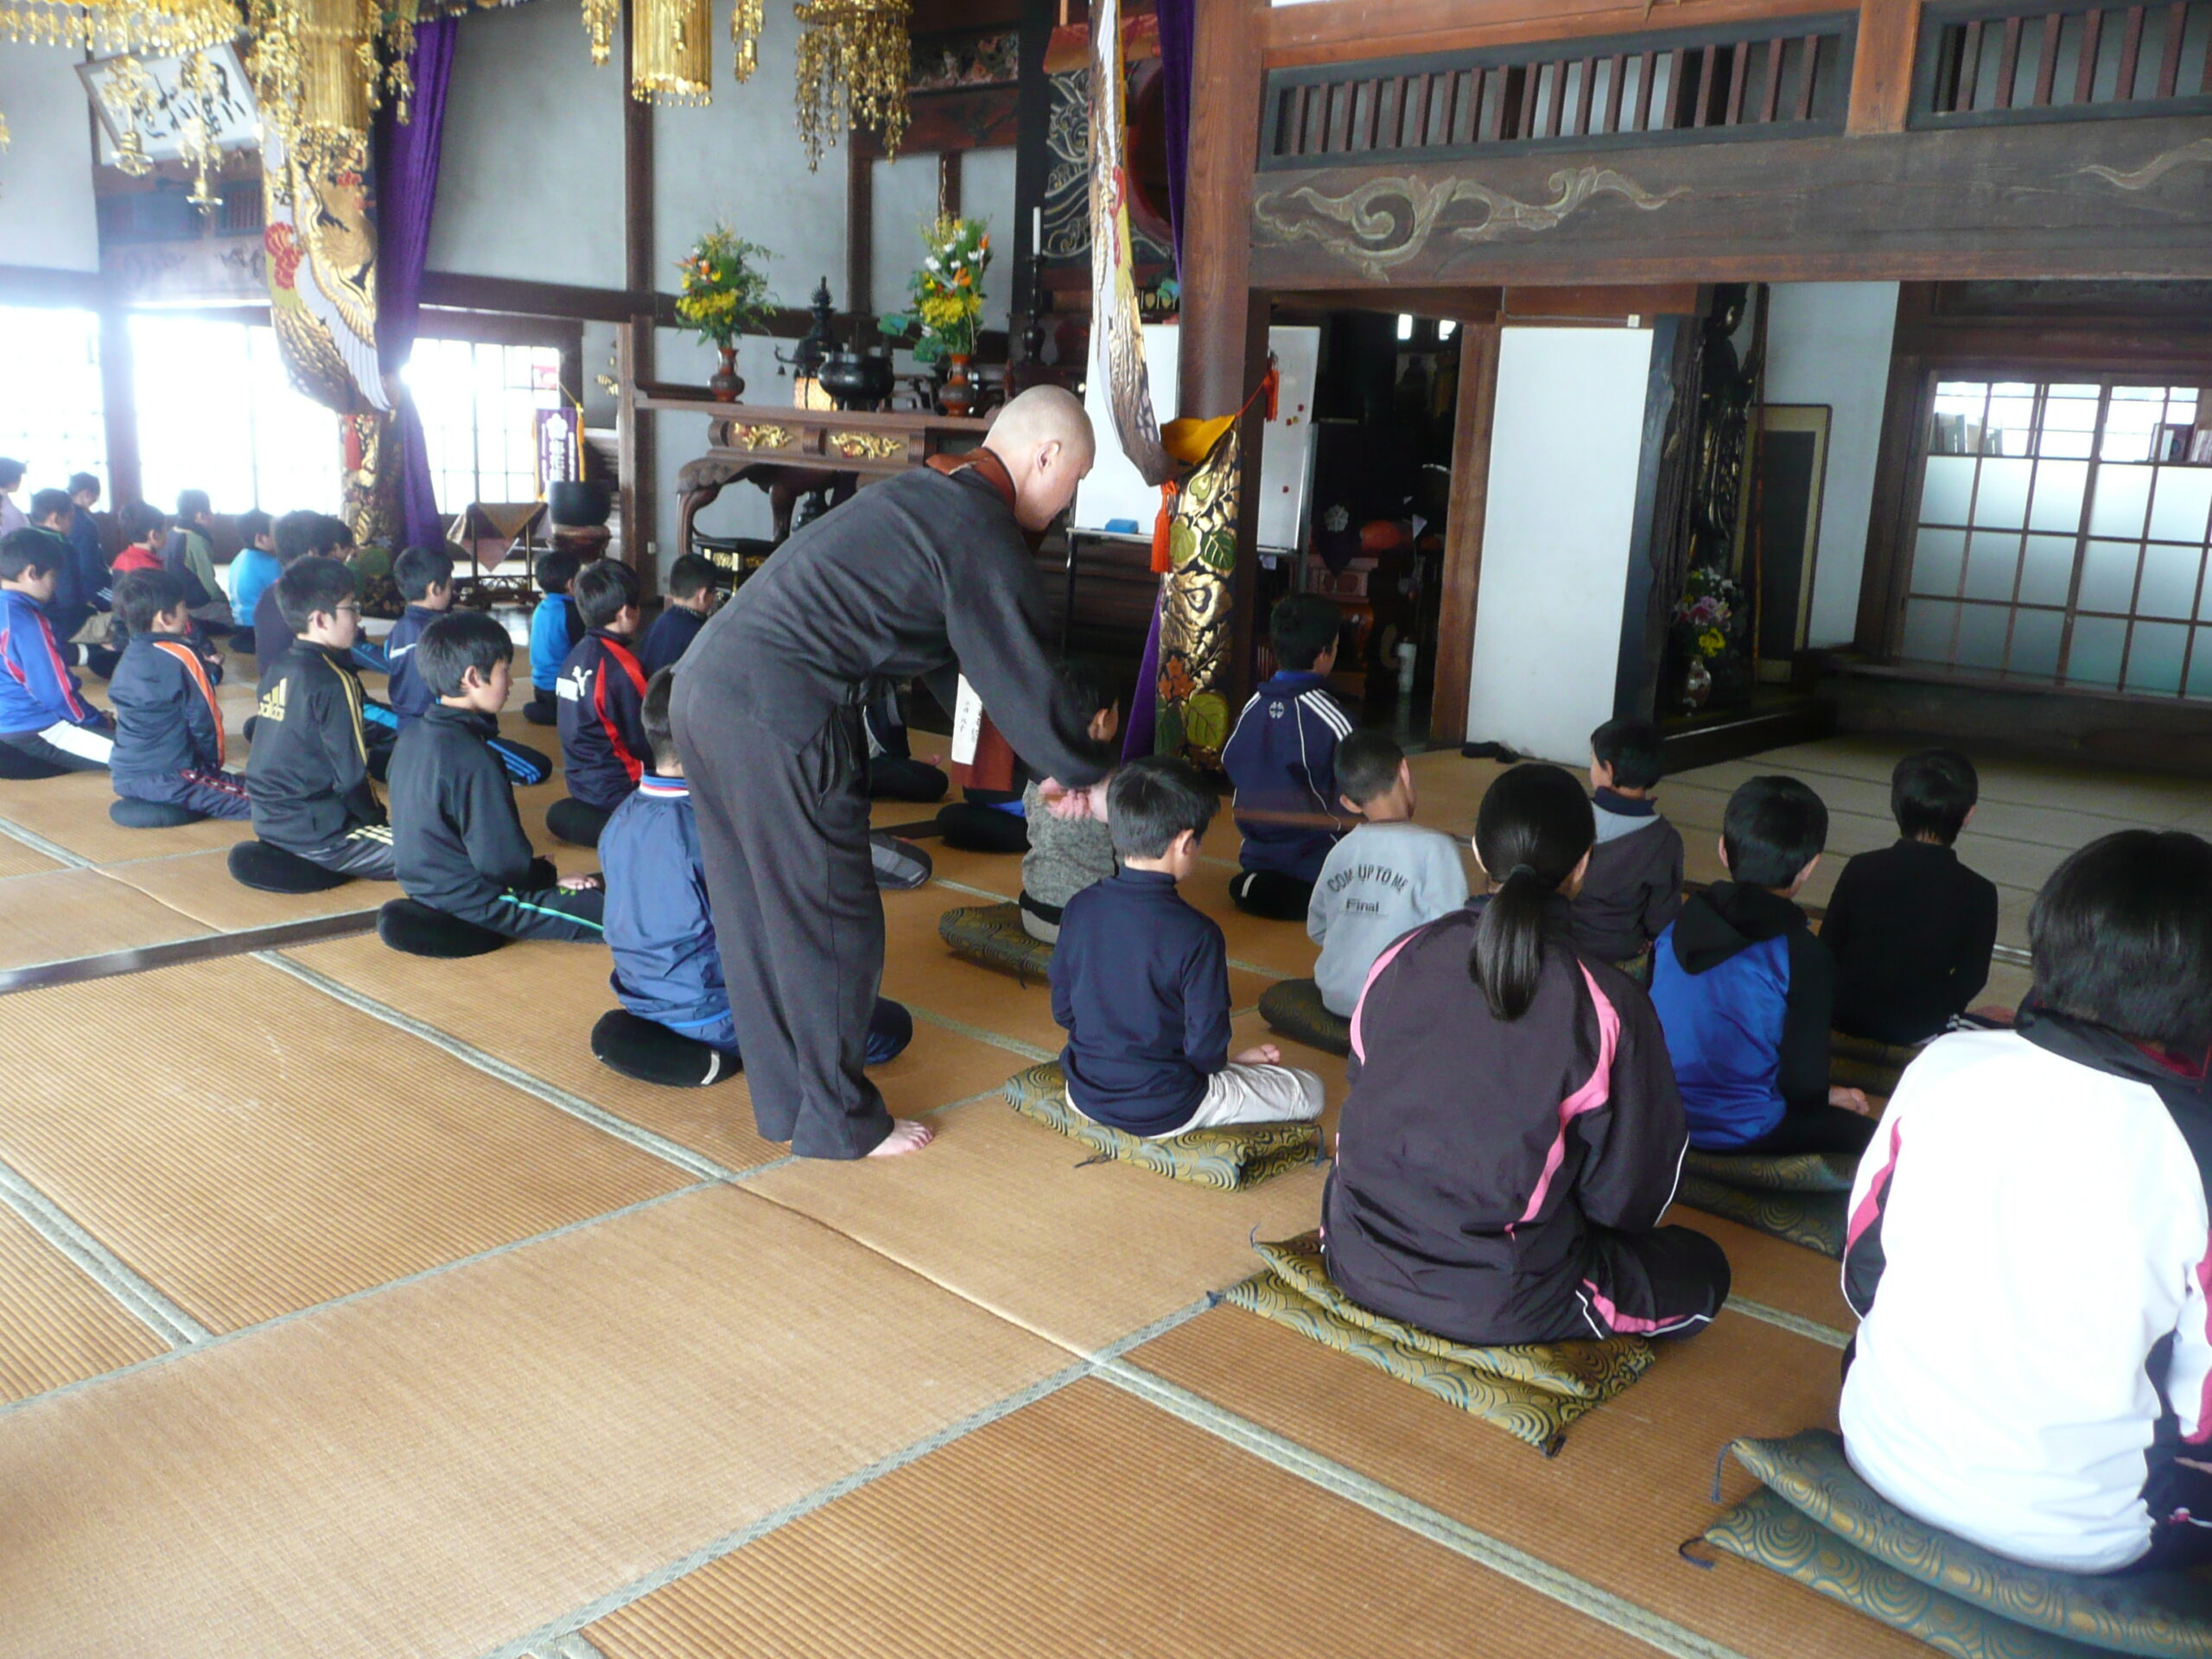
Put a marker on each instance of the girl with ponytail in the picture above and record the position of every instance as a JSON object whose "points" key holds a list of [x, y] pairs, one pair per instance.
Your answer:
{"points": [[1513, 1134]]}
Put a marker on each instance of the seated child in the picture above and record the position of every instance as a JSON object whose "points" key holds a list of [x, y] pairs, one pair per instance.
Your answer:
{"points": [[189, 555], [1386, 878], [694, 589], [893, 774], [1141, 981], [555, 631], [168, 727], [1281, 759], [46, 724], [457, 841], [1743, 988], [1909, 926], [1066, 855], [144, 530], [667, 967], [2028, 1240], [1634, 887], [251, 571], [1490, 1185], [602, 741], [424, 578], [308, 775], [72, 606], [297, 536]]}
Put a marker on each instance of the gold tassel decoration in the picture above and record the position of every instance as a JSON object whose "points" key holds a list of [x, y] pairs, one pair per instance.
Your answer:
{"points": [[745, 19], [599, 19], [853, 64], [130, 29], [671, 58]]}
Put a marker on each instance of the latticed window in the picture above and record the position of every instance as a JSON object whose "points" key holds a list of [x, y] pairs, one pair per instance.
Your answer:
{"points": [[218, 413], [2062, 535], [53, 420], [479, 402]]}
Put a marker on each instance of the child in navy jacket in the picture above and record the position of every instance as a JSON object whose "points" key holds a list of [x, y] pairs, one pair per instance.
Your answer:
{"points": [[602, 688], [668, 969], [45, 723], [424, 578], [168, 740], [1282, 759], [457, 841], [1141, 981], [692, 593], [1744, 989]]}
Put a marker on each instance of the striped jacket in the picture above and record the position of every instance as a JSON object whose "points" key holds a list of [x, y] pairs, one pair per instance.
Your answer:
{"points": [[167, 719], [36, 689], [1282, 761], [307, 774]]}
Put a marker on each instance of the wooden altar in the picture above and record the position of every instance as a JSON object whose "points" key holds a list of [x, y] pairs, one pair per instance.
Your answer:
{"points": [[791, 452]]}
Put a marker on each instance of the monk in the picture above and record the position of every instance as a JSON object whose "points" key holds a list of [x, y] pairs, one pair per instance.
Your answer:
{"points": [[927, 573]]}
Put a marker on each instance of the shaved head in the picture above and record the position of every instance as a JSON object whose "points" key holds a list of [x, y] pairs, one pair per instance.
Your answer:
{"points": [[1045, 438]]}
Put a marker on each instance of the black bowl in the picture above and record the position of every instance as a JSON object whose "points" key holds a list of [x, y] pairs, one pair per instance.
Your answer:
{"points": [[577, 504]]}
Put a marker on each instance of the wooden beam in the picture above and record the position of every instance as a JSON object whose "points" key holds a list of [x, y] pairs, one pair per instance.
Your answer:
{"points": [[1348, 31], [36, 285], [119, 407], [1889, 537], [859, 233], [637, 460], [1881, 70], [1463, 533], [948, 182], [2100, 200], [1591, 304], [1032, 158]]}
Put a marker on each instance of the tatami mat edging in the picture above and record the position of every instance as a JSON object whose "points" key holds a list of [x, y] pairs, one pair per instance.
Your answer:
{"points": [[122, 1283]]}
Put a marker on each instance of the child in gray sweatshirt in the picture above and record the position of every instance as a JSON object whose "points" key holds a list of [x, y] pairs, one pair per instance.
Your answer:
{"points": [[1386, 878], [1066, 855]]}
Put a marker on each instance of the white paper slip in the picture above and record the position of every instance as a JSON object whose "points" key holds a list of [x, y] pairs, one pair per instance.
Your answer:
{"points": [[967, 724]]}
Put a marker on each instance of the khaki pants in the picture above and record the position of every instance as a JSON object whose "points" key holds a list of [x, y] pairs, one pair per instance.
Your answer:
{"points": [[1255, 1094]]}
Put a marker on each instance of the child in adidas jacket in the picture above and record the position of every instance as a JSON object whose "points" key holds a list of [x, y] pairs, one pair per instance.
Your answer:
{"points": [[1282, 759], [2029, 1246]]}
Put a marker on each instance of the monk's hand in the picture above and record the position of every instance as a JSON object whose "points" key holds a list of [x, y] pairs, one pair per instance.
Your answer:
{"points": [[1073, 805]]}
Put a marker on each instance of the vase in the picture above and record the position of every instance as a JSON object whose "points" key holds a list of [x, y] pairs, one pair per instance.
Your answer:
{"points": [[724, 386], [958, 395], [1697, 685]]}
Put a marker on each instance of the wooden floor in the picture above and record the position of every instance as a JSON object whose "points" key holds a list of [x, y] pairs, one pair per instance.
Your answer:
{"points": [[349, 1307]]}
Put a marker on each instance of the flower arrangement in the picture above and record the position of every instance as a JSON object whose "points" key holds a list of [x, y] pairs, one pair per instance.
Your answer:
{"points": [[947, 290], [1705, 614], [724, 291]]}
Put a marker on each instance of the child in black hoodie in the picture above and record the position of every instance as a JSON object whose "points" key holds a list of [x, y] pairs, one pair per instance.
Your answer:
{"points": [[458, 842], [1513, 1134]]}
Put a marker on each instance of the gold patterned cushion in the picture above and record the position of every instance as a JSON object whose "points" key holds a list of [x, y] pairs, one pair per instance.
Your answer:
{"points": [[1243, 1155], [1531, 1390], [1801, 1198], [1862, 1063], [993, 935], [1294, 1006], [1817, 1522]]}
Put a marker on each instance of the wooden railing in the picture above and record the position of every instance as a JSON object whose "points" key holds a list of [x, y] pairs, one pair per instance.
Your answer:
{"points": [[1781, 77], [1986, 64]]}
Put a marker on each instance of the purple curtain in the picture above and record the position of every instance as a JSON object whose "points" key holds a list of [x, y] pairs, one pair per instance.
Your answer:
{"points": [[407, 191], [1178, 27], [1144, 703]]}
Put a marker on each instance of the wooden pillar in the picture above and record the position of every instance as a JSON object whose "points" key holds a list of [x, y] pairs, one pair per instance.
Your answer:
{"points": [[1881, 71], [1223, 348], [1462, 532], [640, 503], [948, 182], [119, 398], [860, 230]]}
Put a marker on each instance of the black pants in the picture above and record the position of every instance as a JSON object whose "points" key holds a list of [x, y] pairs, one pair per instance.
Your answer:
{"points": [[784, 833], [571, 821], [1668, 1282], [899, 778], [545, 913], [543, 708], [977, 829], [1814, 1128], [364, 850], [2180, 1500], [1271, 894], [49, 759]]}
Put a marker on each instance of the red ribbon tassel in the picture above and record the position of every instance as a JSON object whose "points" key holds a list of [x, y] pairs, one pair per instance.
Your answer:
{"points": [[1159, 523]]}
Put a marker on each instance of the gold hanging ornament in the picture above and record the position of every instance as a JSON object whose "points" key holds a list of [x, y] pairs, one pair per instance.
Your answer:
{"points": [[671, 60], [157, 28], [600, 18], [853, 64], [745, 23]]}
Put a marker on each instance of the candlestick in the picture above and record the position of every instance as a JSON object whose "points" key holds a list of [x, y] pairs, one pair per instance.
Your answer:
{"points": [[1036, 233]]}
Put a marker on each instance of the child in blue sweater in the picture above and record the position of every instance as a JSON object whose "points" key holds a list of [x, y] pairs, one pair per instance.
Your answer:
{"points": [[1283, 759], [1141, 981], [555, 631]]}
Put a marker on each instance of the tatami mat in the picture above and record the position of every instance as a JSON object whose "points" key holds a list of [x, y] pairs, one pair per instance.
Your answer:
{"points": [[1633, 1481], [1089, 1522], [71, 812], [252, 1146], [534, 1005], [17, 858], [445, 1467], [56, 1325], [200, 885], [1012, 1216], [1774, 1272], [66, 913]]}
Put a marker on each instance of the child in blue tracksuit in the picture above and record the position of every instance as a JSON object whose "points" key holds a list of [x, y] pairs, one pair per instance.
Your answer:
{"points": [[1744, 989], [168, 736], [603, 747], [46, 726], [1282, 761], [424, 578], [667, 968], [555, 631]]}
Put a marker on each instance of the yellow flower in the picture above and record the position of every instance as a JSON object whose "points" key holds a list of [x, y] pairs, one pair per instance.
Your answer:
{"points": [[1710, 642]]}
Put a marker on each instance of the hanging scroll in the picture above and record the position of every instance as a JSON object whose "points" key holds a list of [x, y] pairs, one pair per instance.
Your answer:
{"points": [[1116, 327]]}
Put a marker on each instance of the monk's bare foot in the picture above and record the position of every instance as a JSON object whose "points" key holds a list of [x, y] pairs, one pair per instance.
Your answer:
{"points": [[906, 1135]]}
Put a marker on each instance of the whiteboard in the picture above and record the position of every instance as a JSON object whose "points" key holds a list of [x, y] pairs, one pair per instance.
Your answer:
{"points": [[1116, 489]]}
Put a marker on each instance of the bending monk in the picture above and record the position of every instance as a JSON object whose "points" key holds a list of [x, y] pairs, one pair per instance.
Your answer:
{"points": [[925, 574]]}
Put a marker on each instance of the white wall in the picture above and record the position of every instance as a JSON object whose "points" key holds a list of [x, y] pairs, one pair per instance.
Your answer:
{"points": [[1829, 343], [47, 218], [902, 204], [1556, 536], [529, 182]]}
